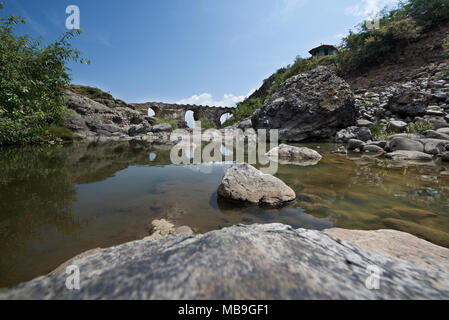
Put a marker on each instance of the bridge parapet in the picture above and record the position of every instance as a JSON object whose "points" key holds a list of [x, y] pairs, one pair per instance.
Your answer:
{"points": [[178, 112]]}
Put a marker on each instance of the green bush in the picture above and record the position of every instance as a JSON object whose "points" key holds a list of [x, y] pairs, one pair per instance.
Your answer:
{"points": [[206, 124], [244, 110], [91, 93], [362, 50], [427, 13], [61, 133], [33, 80], [419, 127], [380, 131]]}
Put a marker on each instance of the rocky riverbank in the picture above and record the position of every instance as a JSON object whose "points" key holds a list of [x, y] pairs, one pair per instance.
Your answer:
{"points": [[255, 262], [112, 120]]}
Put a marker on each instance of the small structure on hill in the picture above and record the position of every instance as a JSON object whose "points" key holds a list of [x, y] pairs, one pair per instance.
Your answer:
{"points": [[323, 50]]}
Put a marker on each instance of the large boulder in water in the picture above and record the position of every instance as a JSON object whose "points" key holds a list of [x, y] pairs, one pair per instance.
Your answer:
{"points": [[310, 106], [245, 183]]}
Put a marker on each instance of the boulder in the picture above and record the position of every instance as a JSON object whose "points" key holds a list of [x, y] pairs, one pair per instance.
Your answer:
{"points": [[399, 143], [258, 262], [398, 126], [436, 135], [443, 131], [88, 116], [381, 143], [408, 102], [445, 157], [244, 183], [373, 149], [162, 228], [294, 155], [411, 136], [437, 237], [355, 144], [163, 127], [364, 123], [309, 106], [408, 155], [359, 133], [340, 150], [436, 111], [396, 244], [436, 122], [434, 146], [136, 130], [245, 124]]}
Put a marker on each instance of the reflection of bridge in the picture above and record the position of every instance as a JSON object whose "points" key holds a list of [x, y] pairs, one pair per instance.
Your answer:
{"points": [[178, 112]]}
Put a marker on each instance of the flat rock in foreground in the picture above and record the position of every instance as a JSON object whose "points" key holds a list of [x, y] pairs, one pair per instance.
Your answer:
{"points": [[243, 182], [242, 262], [397, 244]]}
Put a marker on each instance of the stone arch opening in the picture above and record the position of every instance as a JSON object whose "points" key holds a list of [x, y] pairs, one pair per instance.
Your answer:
{"points": [[225, 117], [154, 111], [191, 117]]}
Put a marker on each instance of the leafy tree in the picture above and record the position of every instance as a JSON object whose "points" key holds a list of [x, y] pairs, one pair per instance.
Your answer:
{"points": [[427, 13], [33, 80]]}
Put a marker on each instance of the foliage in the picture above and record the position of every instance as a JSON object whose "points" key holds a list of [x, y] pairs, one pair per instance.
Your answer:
{"points": [[398, 27], [362, 50], [380, 131], [141, 110], [173, 123], [90, 92], [419, 127], [244, 110], [426, 13], [33, 80], [206, 124], [61, 133]]}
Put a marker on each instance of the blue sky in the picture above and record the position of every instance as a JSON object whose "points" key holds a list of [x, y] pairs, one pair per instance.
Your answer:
{"points": [[193, 51]]}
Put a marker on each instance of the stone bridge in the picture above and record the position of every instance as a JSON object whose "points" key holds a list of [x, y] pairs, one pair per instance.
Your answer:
{"points": [[178, 112]]}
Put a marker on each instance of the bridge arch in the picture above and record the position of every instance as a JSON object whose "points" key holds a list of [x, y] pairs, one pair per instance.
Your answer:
{"points": [[191, 116], [225, 117], [154, 111], [178, 112]]}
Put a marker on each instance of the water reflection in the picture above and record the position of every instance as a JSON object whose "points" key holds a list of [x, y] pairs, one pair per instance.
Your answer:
{"points": [[58, 202]]}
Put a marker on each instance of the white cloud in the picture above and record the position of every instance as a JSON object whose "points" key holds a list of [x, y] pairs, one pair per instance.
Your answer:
{"points": [[206, 99], [369, 8]]}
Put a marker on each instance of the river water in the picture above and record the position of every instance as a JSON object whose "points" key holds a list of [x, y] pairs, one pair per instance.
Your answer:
{"points": [[57, 202]]}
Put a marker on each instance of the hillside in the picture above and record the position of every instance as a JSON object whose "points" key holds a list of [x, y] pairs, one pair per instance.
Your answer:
{"points": [[412, 40], [406, 62]]}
